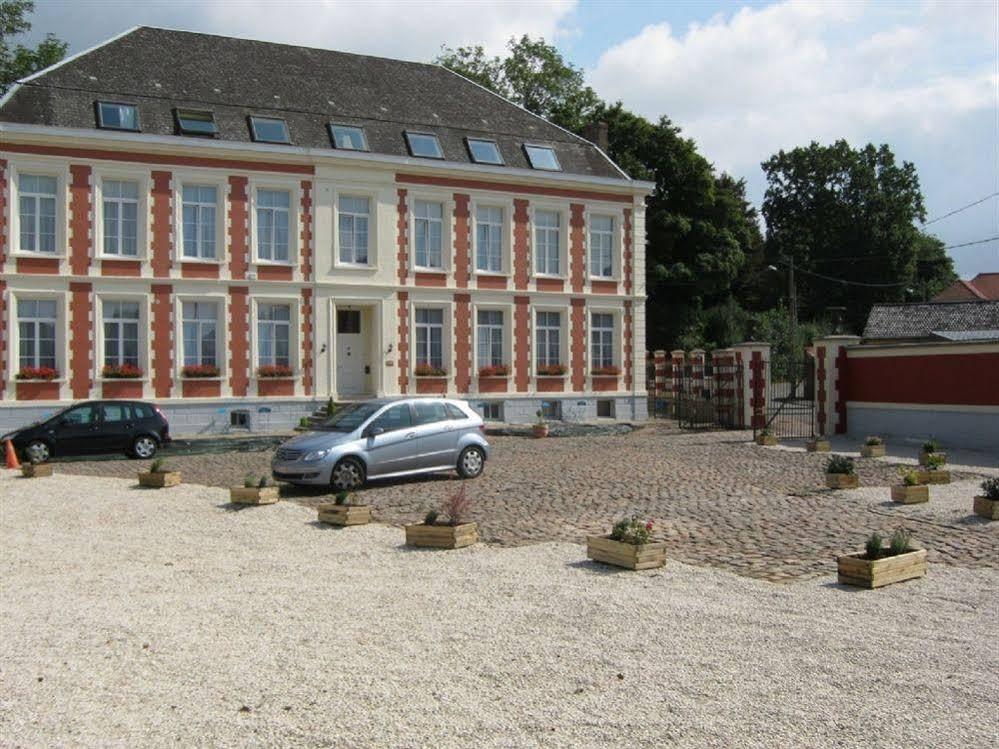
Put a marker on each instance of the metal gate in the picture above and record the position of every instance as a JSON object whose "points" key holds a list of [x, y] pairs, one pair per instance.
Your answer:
{"points": [[789, 410], [708, 397]]}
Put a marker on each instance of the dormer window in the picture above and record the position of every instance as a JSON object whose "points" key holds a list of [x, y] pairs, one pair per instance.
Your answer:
{"points": [[269, 130], [112, 115], [195, 122], [348, 137], [424, 145], [484, 151], [542, 157]]}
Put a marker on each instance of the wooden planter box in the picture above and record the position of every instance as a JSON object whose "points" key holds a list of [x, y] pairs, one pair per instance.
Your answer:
{"points": [[872, 451], [37, 470], [865, 573], [159, 480], [768, 440], [923, 455], [442, 536], [539, 430], [335, 514], [246, 495], [933, 477], [910, 495], [630, 556], [842, 480], [818, 446], [987, 508]]}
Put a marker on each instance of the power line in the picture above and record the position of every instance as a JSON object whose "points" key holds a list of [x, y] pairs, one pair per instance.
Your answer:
{"points": [[968, 244], [958, 210], [844, 282]]}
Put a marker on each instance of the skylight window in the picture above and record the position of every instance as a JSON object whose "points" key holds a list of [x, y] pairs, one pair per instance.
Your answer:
{"points": [[112, 115], [484, 151], [424, 145], [195, 122], [348, 137], [542, 157], [269, 130]]}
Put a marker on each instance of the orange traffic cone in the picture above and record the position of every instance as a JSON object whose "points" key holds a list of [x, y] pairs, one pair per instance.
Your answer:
{"points": [[12, 456]]}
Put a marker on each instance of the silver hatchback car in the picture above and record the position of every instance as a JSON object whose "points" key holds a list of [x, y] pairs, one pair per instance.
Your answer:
{"points": [[385, 438]]}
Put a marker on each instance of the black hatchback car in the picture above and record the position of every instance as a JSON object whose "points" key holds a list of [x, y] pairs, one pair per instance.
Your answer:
{"points": [[135, 428]]}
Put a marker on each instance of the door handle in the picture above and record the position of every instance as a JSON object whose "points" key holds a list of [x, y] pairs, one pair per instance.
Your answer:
{"points": [[411, 435]]}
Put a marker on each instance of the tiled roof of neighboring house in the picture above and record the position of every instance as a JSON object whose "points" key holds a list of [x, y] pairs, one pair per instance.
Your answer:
{"points": [[929, 320], [982, 286], [967, 335], [160, 69]]}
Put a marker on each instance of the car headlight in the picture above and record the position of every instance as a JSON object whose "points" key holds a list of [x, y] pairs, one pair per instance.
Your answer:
{"points": [[316, 455]]}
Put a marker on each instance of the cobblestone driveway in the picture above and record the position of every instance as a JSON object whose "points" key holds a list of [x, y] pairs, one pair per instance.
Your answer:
{"points": [[716, 497]]}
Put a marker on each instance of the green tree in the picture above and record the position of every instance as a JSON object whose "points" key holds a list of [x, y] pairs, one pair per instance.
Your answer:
{"points": [[934, 267], [848, 214], [16, 60]]}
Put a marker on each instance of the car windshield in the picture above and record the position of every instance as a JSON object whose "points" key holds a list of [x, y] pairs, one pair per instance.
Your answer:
{"points": [[349, 418]]}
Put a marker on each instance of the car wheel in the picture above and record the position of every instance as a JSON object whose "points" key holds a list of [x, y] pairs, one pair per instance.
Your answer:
{"points": [[347, 475], [144, 448], [37, 451], [471, 462]]}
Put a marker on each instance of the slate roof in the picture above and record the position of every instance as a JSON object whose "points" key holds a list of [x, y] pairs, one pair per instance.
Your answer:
{"points": [[974, 320], [161, 69]]}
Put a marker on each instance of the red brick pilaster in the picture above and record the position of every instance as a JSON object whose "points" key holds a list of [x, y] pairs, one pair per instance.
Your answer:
{"points": [[307, 338], [80, 344], [4, 192], [239, 339], [577, 348], [462, 229], [79, 219], [5, 352], [306, 236], [239, 245], [820, 391], [522, 343], [660, 373], [521, 254], [403, 346], [757, 386], [841, 375], [402, 242], [577, 252], [629, 349], [162, 340], [161, 224], [462, 342], [628, 252]]}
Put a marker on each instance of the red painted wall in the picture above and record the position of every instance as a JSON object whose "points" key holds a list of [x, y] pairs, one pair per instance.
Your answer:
{"points": [[954, 379]]}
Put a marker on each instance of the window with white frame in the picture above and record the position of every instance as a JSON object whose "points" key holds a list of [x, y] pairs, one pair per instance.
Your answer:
{"points": [[273, 216], [37, 212], [274, 335], [200, 321], [601, 340], [602, 246], [489, 238], [430, 337], [120, 203], [353, 214], [490, 337], [428, 229], [547, 230], [200, 206], [548, 339], [36, 333], [121, 333]]}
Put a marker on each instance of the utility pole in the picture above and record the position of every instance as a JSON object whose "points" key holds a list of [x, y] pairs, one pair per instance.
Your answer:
{"points": [[793, 295]]}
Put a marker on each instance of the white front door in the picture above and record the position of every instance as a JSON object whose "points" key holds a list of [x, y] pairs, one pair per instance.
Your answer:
{"points": [[351, 354]]}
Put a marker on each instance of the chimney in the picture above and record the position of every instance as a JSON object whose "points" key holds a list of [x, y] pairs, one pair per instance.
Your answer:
{"points": [[596, 133]]}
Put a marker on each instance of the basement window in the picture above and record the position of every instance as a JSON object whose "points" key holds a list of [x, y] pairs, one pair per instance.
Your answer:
{"points": [[113, 115], [269, 130], [484, 151], [195, 122], [424, 145], [542, 157], [348, 137]]}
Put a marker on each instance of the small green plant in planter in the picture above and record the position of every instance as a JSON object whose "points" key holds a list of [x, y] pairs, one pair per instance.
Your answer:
{"points": [[910, 491], [874, 447], [540, 426], [256, 490], [987, 504], [159, 475], [454, 533], [879, 565], [629, 545], [934, 472], [36, 468], [342, 511], [304, 423], [931, 447], [841, 473]]}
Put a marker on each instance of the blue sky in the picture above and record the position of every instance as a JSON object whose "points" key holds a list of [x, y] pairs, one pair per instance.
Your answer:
{"points": [[743, 79]]}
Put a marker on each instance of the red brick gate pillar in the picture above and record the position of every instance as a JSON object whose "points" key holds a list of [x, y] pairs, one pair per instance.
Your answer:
{"points": [[723, 364], [697, 371], [676, 370], [830, 382], [754, 362]]}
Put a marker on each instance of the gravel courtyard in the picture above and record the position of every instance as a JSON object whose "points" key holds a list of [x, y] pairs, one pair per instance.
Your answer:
{"points": [[143, 618], [716, 497]]}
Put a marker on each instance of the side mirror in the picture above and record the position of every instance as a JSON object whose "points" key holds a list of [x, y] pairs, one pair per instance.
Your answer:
{"points": [[373, 431]]}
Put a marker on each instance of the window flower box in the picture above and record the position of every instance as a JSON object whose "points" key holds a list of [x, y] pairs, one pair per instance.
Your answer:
{"points": [[552, 370], [121, 372], [861, 571], [442, 536], [423, 369], [199, 371], [605, 371], [495, 370], [274, 371], [41, 374]]}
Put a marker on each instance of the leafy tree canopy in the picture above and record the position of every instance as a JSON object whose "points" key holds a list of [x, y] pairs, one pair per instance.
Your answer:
{"points": [[16, 60]]}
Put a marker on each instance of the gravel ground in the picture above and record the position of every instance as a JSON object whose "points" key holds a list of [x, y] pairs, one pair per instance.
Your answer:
{"points": [[155, 618], [950, 504]]}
